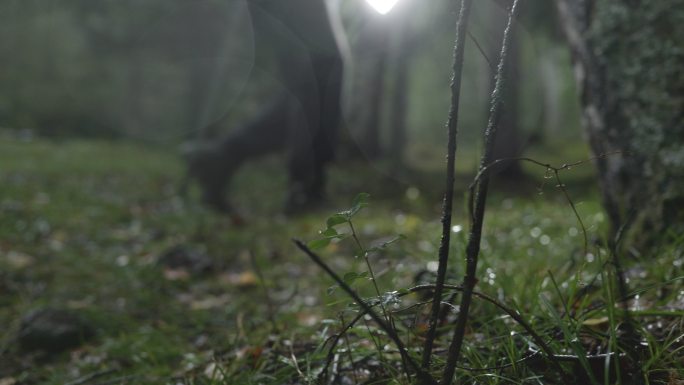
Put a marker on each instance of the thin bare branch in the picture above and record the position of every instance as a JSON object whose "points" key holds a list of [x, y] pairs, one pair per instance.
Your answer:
{"points": [[486, 171], [447, 203], [475, 236]]}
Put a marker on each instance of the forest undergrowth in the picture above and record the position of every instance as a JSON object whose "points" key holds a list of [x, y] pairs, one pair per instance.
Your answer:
{"points": [[178, 294]]}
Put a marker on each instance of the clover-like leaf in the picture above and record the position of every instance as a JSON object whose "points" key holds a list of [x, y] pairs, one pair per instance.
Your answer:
{"points": [[328, 235], [384, 245], [350, 277], [336, 219], [329, 232], [359, 202], [317, 244]]}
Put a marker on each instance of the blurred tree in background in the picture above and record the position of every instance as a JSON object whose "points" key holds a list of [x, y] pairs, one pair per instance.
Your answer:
{"points": [[396, 85], [121, 68], [163, 70]]}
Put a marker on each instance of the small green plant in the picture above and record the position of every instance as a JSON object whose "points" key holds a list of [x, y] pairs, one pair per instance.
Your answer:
{"points": [[347, 281], [331, 233]]}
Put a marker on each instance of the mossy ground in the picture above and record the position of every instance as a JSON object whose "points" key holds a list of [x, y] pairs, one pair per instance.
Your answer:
{"points": [[83, 223]]}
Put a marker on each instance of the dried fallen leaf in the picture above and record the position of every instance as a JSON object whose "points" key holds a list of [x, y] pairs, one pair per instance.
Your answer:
{"points": [[421, 327], [250, 353], [176, 274], [80, 303], [18, 260], [244, 280], [595, 322], [675, 379], [210, 302], [8, 381], [214, 372], [308, 319]]}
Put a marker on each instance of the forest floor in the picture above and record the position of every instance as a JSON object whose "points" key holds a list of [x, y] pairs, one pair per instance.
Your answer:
{"points": [[176, 294]]}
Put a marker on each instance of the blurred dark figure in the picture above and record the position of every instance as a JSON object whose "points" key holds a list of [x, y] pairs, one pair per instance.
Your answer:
{"points": [[302, 119]]}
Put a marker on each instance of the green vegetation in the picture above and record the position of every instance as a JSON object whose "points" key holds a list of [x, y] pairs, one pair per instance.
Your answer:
{"points": [[110, 275], [84, 225]]}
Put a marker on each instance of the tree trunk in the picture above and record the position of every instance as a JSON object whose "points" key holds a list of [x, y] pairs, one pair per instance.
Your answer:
{"points": [[373, 50], [399, 104], [405, 41], [628, 57]]}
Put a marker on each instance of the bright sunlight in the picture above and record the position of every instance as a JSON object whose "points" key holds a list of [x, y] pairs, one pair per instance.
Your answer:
{"points": [[383, 6]]}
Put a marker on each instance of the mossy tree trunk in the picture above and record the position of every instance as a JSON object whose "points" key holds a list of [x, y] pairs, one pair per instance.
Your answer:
{"points": [[628, 58]]}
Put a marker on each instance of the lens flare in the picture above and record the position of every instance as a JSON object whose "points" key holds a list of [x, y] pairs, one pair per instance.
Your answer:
{"points": [[382, 6]]}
